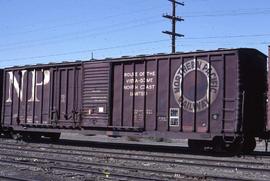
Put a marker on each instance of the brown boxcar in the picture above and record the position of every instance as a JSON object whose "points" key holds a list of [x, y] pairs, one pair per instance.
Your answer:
{"points": [[197, 95], [268, 118]]}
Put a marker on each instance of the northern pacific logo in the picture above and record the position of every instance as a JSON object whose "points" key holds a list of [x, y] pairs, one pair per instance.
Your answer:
{"points": [[206, 86]]}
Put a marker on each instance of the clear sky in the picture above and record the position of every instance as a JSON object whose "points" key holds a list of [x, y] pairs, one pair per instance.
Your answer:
{"points": [[36, 31]]}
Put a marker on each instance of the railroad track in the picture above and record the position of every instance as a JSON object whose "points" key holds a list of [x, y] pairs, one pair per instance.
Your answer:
{"points": [[11, 178], [70, 169], [174, 175], [94, 171], [183, 161], [153, 157]]}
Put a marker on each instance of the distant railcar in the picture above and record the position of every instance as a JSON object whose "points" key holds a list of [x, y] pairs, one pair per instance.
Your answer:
{"points": [[214, 97]]}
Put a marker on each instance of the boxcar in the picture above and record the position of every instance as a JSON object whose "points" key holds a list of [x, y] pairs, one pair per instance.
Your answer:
{"points": [[268, 106], [219, 96]]}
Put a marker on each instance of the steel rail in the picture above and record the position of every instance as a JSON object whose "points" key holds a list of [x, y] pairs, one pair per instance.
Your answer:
{"points": [[91, 152], [87, 171], [153, 161], [68, 168], [182, 161], [12, 178]]}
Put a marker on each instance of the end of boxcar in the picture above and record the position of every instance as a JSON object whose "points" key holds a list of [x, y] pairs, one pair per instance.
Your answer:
{"points": [[243, 106]]}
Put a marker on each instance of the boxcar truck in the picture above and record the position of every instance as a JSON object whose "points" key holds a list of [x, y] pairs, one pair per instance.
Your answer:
{"points": [[208, 97]]}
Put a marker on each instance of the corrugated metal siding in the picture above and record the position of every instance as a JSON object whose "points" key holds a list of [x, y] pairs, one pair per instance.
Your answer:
{"points": [[42, 96], [95, 94], [180, 94], [1, 92], [268, 116], [66, 94]]}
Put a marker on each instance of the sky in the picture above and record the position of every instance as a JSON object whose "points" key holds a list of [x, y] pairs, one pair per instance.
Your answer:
{"points": [[36, 31]]}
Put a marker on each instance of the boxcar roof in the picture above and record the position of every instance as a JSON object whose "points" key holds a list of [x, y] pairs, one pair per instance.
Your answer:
{"points": [[138, 57]]}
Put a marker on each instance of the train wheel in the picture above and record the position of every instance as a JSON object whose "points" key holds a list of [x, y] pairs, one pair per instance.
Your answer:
{"points": [[8, 134], [16, 136], [249, 145], [232, 147]]}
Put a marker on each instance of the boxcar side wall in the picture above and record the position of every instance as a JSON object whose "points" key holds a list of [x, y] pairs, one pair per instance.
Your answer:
{"points": [[268, 105], [195, 94], [42, 96], [1, 93]]}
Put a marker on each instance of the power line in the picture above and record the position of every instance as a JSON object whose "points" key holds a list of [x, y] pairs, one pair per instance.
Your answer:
{"points": [[223, 43], [190, 14], [231, 13], [84, 51], [236, 12], [115, 47], [90, 20], [247, 10], [228, 14], [229, 36], [79, 35], [95, 34]]}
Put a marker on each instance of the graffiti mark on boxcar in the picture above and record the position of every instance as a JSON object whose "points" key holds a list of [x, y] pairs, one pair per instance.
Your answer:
{"points": [[212, 85]]}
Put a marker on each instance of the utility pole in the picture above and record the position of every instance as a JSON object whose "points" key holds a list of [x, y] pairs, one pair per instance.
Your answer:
{"points": [[174, 19]]}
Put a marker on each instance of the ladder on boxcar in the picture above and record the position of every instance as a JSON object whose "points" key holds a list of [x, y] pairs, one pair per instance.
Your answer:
{"points": [[231, 124]]}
